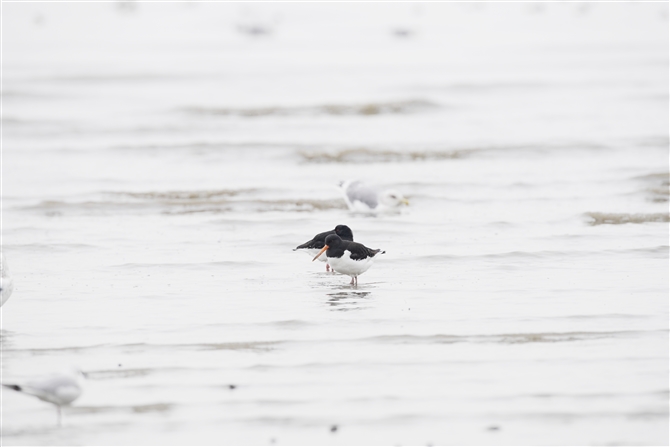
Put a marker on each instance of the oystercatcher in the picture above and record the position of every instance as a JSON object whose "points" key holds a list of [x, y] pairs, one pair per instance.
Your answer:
{"points": [[348, 258], [313, 246]]}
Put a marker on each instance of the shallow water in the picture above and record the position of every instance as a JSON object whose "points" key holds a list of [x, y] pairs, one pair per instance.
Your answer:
{"points": [[154, 186]]}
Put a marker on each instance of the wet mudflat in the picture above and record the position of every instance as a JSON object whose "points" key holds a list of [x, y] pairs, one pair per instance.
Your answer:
{"points": [[155, 185]]}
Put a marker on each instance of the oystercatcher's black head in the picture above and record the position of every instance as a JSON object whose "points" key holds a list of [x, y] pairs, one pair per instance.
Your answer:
{"points": [[332, 241], [344, 232]]}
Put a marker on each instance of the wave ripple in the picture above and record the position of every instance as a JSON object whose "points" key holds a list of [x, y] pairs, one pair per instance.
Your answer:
{"points": [[366, 109], [625, 218]]}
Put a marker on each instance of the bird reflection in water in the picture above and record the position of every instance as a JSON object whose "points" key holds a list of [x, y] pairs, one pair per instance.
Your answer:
{"points": [[347, 300]]}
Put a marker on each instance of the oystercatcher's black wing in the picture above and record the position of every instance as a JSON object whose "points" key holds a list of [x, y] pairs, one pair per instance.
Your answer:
{"points": [[360, 251], [317, 242]]}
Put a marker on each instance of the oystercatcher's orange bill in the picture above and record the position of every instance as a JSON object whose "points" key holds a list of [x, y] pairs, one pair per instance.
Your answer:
{"points": [[325, 247]]}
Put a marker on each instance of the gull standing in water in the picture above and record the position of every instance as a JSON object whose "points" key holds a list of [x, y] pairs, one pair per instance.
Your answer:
{"points": [[348, 258], [59, 389], [362, 197], [313, 246], [6, 283]]}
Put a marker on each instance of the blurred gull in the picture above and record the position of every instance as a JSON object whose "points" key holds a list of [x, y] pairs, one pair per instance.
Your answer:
{"points": [[59, 389], [362, 197], [6, 284]]}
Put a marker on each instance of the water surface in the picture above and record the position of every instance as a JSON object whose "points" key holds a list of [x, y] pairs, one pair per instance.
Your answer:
{"points": [[154, 185]]}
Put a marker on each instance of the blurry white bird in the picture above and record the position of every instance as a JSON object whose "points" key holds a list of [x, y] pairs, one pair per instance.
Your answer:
{"points": [[362, 197], [6, 283], [59, 389]]}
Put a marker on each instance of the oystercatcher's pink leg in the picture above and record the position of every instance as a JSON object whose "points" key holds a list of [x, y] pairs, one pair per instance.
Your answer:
{"points": [[327, 267]]}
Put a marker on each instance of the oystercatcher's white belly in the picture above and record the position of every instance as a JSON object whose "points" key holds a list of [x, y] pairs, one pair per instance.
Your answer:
{"points": [[348, 266]]}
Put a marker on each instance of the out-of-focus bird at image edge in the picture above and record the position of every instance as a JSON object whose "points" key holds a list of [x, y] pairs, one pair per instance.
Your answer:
{"points": [[60, 389], [6, 283]]}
